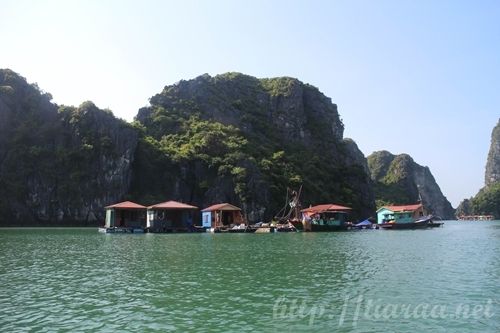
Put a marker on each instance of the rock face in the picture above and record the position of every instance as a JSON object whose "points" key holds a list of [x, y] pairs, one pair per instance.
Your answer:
{"points": [[58, 165], [399, 180], [487, 200], [492, 174], [286, 133], [229, 138], [464, 208]]}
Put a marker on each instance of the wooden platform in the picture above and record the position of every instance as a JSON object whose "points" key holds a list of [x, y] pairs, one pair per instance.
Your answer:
{"points": [[121, 230]]}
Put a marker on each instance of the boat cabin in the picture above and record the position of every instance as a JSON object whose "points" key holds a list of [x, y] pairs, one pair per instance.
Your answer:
{"points": [[222, 215], [400, 214], [171, 216], [326, 214], [125, 214]]}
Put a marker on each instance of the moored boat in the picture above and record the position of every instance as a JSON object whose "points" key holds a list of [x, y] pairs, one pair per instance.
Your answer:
{"points": [[325, 217], [433, 224], [412, 225], [404, 217], [287, 217]]}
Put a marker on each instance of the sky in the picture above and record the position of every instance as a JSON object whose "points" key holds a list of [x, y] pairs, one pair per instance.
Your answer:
{"points": [[417, 77]]}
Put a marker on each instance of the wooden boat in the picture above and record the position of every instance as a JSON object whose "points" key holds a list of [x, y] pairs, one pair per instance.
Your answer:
{"points": [[325, 217], [404, 217], [288, 218], [413, 225], [433, 224]]}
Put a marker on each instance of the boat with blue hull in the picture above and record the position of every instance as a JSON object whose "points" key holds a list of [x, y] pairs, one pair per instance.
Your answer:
{"points": [[405, 217]]}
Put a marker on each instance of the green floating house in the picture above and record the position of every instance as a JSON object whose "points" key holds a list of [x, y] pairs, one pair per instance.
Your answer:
{"points": [[400, 214], [125, 214]]}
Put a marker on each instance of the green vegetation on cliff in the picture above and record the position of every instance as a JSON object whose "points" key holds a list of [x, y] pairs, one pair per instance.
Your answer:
{"points": [[231, 138], [392, 183], [236, 138], [57, 164], [487, 201], [398, 180]]}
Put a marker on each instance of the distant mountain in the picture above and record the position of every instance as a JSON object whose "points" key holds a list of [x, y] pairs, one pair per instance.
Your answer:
{"points": [[58, 165], [487, 201], [398, 179]]}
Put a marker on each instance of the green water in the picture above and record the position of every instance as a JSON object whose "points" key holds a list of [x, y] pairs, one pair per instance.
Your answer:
{"points": [[440, 280]]}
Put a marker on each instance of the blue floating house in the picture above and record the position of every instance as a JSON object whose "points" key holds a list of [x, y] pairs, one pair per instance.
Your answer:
{"points": [[222, 215]]}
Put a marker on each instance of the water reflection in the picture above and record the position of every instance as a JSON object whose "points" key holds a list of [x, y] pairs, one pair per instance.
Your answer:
{"points": [[77, 279]]}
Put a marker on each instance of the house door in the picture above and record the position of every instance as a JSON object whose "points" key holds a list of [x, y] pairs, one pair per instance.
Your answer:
{"points": [[227, 218]]}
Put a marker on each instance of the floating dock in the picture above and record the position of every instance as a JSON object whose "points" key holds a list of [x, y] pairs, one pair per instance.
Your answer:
{"points": [[121, 230]]}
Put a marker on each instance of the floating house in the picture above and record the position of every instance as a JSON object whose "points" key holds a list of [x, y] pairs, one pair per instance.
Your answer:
{"points": [[125, 216], [400, 214], [325, 217], [171, 216], [221, 216]]}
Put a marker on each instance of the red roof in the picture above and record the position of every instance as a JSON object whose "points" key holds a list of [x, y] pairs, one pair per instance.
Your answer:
{"points": [[172, 205], [405, 208], [325, 208], [126, 205], [222, 206]]}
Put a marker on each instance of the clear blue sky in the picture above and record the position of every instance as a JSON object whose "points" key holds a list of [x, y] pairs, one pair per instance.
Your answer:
{"points": [[417, 77]]}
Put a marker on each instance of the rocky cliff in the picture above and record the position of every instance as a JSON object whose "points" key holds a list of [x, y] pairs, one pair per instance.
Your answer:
{"points": [[237, 138], [230, 137], [492, 174], [399, 180], [487, 200], [58, 165]]}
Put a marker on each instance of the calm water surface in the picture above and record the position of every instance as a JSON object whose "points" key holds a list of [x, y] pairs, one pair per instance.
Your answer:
{"points": [[441, 280]]}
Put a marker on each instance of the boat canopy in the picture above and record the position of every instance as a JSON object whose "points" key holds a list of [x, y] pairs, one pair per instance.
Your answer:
{"points": [[365, 222]]}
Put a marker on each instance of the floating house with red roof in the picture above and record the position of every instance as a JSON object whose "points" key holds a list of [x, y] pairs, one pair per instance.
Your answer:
{"points": [[171, 216], [324, 217], [400, 214], [220, 216], [125, 216]]}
